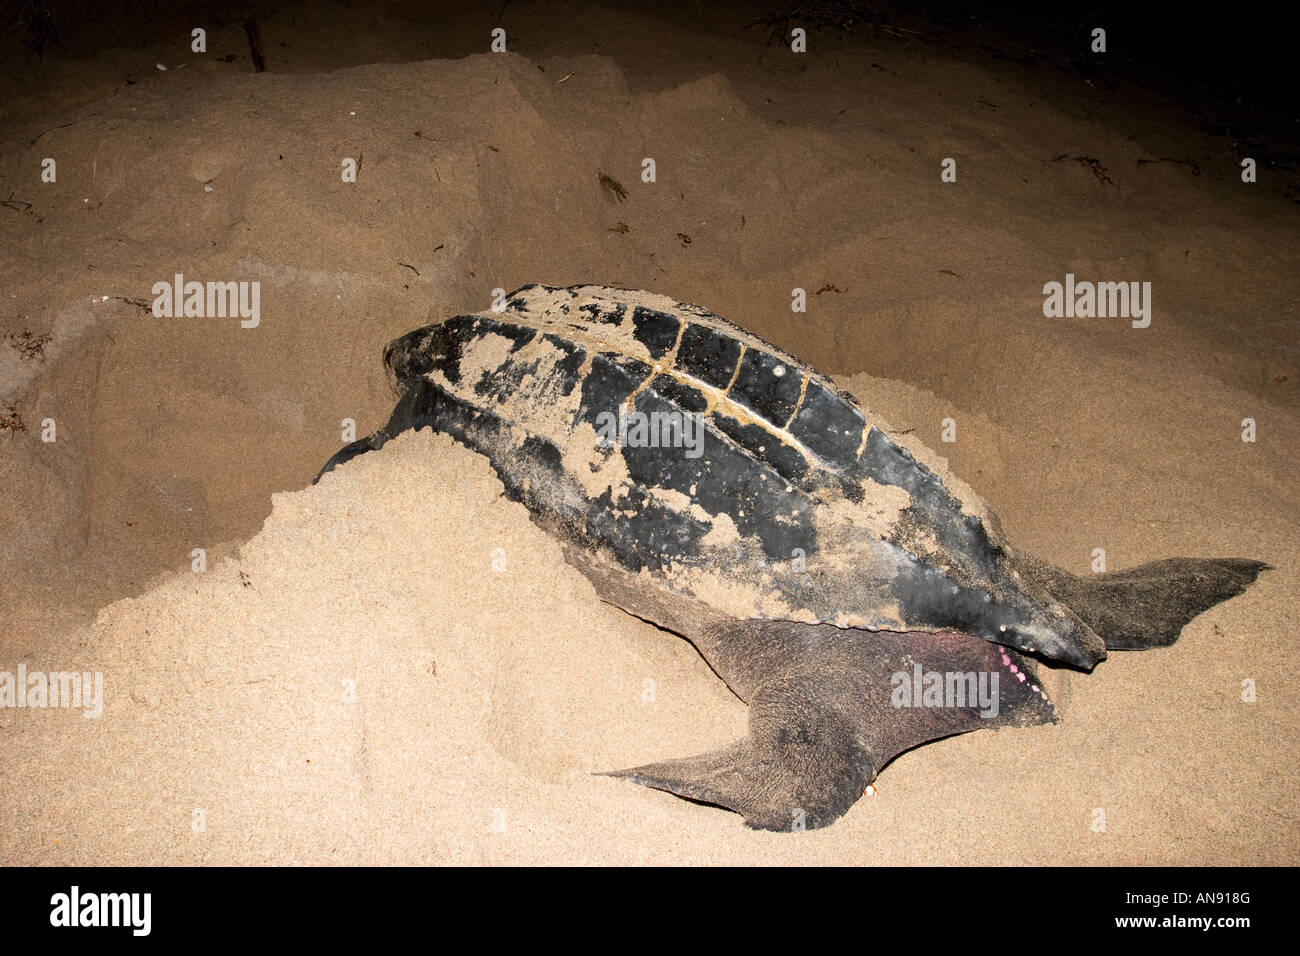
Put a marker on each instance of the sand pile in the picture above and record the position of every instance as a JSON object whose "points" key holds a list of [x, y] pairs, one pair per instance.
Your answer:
{"points": [[398, 668]]}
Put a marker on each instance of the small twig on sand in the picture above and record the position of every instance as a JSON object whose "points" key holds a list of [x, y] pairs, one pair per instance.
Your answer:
{"points": [[255, 42], [50, 130], [223, 43], [140, 304], [94, 162]]}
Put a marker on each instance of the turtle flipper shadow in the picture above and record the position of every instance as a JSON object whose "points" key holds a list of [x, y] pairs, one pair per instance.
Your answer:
{"points": [[801, 766]]}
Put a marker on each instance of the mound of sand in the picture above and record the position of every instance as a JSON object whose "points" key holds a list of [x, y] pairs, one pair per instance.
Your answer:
{"points": [[398, 668]]}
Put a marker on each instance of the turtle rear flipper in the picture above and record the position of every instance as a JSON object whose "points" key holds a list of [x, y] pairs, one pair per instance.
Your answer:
{"points": [[802, 764], [1146, 606], [836, 706]]}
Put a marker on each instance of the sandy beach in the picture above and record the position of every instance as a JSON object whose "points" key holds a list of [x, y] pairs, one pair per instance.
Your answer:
{"points": [[396, 665]]}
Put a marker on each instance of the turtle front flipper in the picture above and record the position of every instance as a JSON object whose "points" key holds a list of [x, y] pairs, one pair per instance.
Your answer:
{"points": [[352, 450], [412, 411], [829, 707]]}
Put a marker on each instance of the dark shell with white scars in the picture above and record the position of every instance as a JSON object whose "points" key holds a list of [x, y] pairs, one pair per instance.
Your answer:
{"points": [[777, 497]]}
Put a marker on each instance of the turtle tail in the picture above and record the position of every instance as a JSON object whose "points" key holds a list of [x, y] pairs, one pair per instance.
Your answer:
{"points": [[1146, 606]]}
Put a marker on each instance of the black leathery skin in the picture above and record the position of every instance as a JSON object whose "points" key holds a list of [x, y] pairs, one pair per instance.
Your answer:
{"points": [[498, 382], [653, 538], [759, 386], [724, 479], [639, 531], [414, 354], [608, 384], [708, 355], [689, 399], [933, 507], [568, 367], [438, 348], [829, 426], [932, 600], [788, 461], [519, 335], [657, 331], [745, 471], [752, 468], [516, 303]]}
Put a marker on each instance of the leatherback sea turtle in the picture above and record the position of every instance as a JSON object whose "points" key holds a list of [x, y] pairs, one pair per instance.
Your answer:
{"points": [[708, 482]]}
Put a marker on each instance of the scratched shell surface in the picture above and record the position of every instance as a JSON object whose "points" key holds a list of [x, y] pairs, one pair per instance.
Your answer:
{"points": [[798, 506]]}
